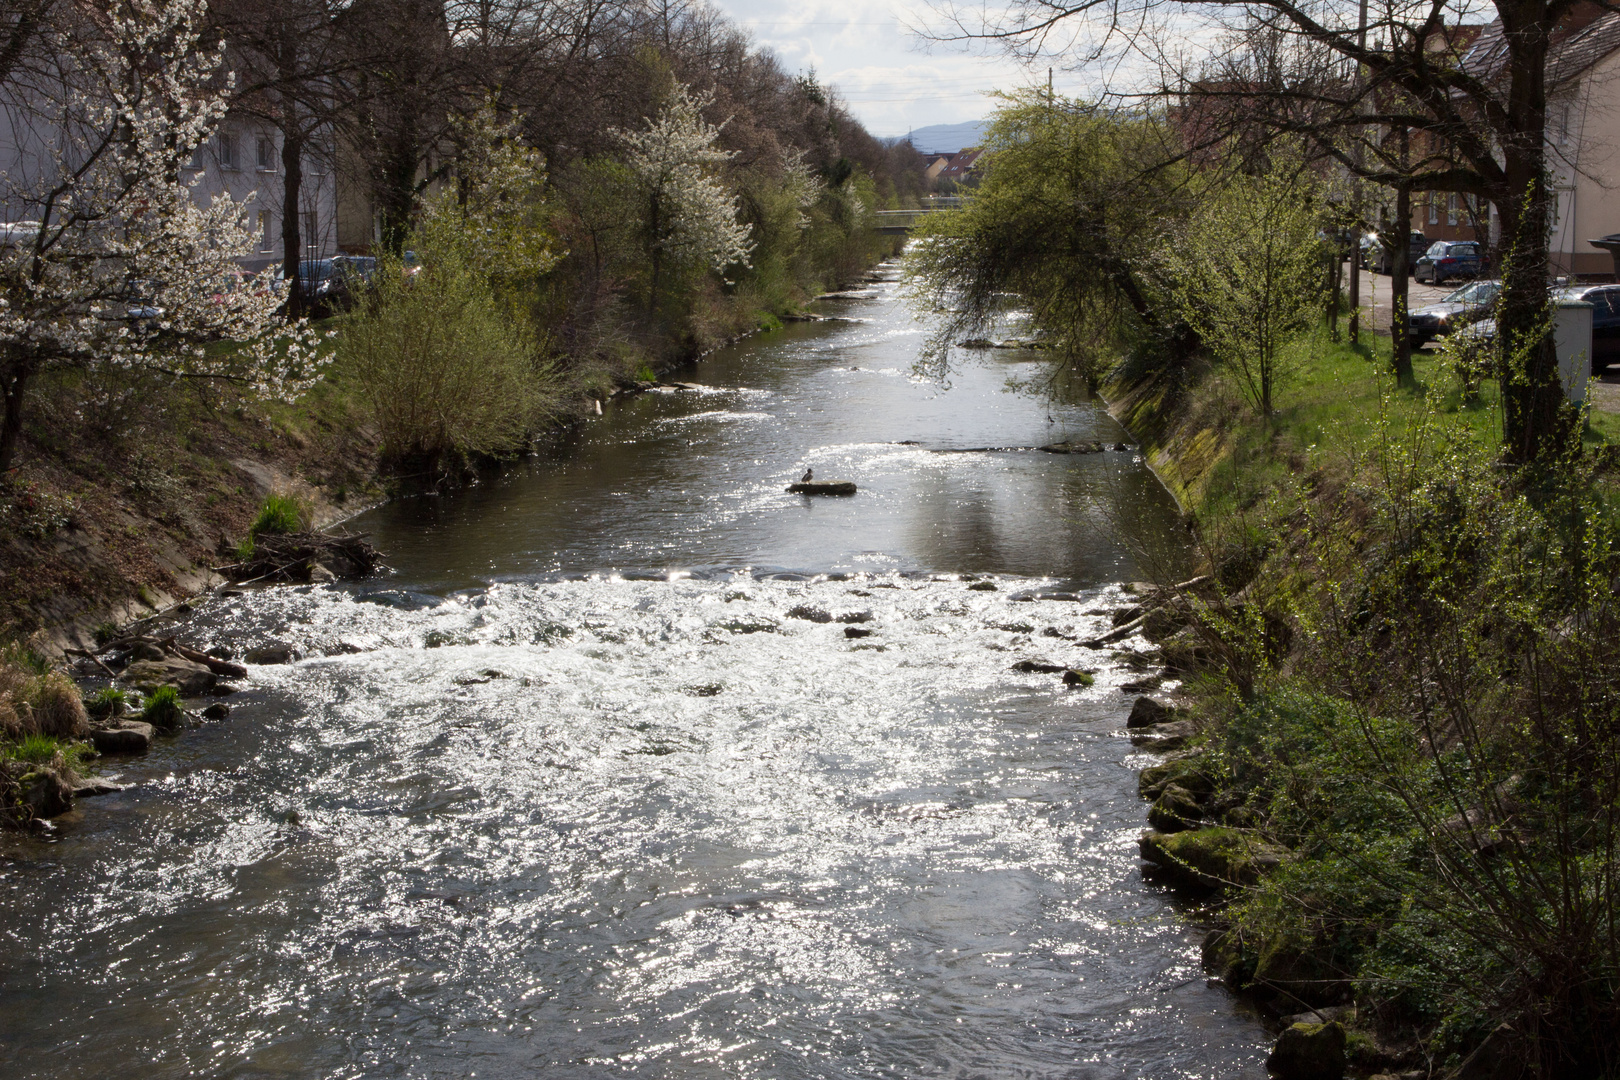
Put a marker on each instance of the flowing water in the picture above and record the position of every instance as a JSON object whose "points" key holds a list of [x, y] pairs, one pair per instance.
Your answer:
{"points": [[594, 784]]}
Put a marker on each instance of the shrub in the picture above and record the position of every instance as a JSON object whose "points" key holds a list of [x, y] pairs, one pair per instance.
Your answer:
{"points": [[162, 710], [108, 701], [281, 514], [35, 702], [106, 632], [449, 374], [58, 709]]}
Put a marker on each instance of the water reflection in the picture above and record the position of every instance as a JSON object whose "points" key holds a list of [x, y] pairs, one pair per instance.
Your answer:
{"points": [[695, 479]]}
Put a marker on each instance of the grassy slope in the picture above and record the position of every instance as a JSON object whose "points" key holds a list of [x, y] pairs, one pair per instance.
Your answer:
{"points": [[1215, 456]]}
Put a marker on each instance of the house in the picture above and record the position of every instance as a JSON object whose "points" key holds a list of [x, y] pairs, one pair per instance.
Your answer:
{"points": [[242, 160], [961, 166], [1583, 144]]}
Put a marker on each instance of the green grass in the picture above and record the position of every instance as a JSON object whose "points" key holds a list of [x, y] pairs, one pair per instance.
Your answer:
{"points": [[108, 701], [279, 515], [1340, 402], [36, 749], [162, 710]]}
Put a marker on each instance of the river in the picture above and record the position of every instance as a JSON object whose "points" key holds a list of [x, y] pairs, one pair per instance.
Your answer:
{"points": [[594, 783]]}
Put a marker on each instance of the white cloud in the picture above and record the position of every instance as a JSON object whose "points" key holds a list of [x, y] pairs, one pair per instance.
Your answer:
{"points": [[889, 80]]}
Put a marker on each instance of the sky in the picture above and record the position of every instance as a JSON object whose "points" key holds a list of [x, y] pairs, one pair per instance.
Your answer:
{"points": [[882, 71]]}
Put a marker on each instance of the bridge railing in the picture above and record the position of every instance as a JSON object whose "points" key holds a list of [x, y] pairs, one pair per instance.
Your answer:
{"points": [[905, 220]]}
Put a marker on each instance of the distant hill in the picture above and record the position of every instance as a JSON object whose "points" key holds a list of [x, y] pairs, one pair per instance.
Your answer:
{"points": [[948, 138]]}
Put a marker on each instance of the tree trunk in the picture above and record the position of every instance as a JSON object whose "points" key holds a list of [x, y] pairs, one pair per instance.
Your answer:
{"points": [[292, 182], [1336, 291], [1535, 425], [1399, 277], [16, 386], [1355, 283]]}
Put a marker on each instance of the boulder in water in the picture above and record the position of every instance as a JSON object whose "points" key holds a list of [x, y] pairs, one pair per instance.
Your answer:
{"points": [[122, 737], [1037, 667], [1164, 737], [1309, 1052], [46, 794], [856, 632], [190, 678], [274, 653]]}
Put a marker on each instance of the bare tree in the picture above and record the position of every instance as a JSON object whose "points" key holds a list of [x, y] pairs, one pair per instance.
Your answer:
{"points": [[291, 59]]}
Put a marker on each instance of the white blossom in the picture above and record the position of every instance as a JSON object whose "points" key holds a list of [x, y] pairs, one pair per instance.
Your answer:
{"points": [[691, 217], [114, 262]]}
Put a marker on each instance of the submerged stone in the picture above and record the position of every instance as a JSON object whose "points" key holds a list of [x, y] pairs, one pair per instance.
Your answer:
{"points": [[122, 737]]}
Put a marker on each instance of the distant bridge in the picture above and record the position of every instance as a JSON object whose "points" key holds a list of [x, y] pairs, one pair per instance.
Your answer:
{"points": [[901, 222]]}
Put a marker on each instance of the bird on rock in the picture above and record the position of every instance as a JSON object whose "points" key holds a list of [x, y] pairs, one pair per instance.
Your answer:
{"points": [[805, 479]]}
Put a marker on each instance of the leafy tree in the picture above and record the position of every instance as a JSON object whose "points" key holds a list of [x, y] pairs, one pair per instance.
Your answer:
{"points": [[1246, 273], [1074, 205], [443, 348], [688, 218]]}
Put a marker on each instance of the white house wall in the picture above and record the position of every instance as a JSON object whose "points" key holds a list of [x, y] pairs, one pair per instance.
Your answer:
{"points": [[30, 137], [1583, 140]]}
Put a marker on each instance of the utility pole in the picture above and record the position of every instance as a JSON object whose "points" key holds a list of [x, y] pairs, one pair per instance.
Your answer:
{"points": [[1355, 200]]}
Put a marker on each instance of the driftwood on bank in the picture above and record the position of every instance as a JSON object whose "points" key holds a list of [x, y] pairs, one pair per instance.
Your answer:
{"points": [[1156, 601], [303, 557]]}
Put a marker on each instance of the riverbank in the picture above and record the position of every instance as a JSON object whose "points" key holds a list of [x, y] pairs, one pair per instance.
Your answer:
{"points": [[1393, 689]]}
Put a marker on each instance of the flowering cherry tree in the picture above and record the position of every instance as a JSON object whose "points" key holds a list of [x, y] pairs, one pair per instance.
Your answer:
{"points": [[689, 218], [108, 260]]}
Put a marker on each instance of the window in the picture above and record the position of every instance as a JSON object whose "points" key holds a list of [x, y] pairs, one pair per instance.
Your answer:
{"points": [[1451, 209], [267, 153], [310, 241], [227, 150], [1434, 211], [264, 231]]}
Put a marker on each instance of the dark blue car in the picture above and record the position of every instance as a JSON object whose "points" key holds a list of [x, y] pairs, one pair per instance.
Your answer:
{"points": [[1605, 301], [1447, 259]]}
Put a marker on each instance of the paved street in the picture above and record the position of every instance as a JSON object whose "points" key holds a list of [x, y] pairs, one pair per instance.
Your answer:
{"points": [[1376, 293]]}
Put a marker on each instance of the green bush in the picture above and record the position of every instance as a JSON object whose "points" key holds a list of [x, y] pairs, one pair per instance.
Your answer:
{"points": [[449, 372], [162, 709], [108, 701], [281, 514]]}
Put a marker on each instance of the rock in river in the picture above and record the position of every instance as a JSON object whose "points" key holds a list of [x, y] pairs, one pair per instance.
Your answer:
{"points": [[823, 487], [191, 679], [274, 653], [1148, 711], [122, 737], [1161, 738], [1309, 1052], [46, 794]]}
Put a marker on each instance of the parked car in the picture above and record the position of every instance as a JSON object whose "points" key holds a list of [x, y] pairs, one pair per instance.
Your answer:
{"points": [[328, 285], [1379, 257], [1469, 304], [1605, 301], [1447, 259]]}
